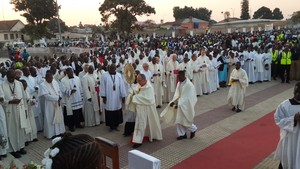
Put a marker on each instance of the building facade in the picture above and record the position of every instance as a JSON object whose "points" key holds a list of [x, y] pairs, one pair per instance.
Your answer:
{"points": [[10, 31]]}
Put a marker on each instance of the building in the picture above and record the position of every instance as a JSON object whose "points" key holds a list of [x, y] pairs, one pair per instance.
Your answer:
{"points": [[248, 25], [10, 31], [189, 25]]}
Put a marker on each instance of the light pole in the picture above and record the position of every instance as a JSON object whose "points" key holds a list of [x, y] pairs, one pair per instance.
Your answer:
{"points": [[58, 22]]}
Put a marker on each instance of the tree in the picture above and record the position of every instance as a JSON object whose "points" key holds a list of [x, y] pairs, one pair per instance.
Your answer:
{"points": [[186, 12], [277, 14], [37, 14], [263, 13], [245, 10], [125, 12], [296, 17], [53, 25]]}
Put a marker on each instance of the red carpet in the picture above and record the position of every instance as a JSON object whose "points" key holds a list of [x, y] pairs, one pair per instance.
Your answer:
{"points": [[241, 150]]}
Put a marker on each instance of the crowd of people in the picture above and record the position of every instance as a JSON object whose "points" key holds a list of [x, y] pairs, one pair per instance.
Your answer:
{"points": [[51, 93]]}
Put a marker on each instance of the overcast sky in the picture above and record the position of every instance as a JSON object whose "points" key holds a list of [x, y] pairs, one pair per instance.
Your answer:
{"points": [[86, 11]]}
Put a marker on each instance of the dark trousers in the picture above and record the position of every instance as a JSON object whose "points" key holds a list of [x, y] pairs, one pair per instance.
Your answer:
{"points": [[113, 118], [285, 69], [274, 70], [73, 120]]}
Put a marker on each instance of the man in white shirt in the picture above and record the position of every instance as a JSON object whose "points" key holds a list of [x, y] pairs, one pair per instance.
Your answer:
{"points": [[72, 100], [113, 92], [181, 109]]}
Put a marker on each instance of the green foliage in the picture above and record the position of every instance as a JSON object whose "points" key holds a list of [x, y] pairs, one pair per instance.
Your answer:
{"points": [[245, 10], [296, 17], [53, 25], [125, 12], [263, 13], [37, 32], [37, 14], [186, 12], [277, 14], [266, 13]]}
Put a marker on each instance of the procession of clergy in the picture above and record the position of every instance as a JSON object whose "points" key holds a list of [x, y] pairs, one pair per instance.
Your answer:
{"points": [[87, 90]]}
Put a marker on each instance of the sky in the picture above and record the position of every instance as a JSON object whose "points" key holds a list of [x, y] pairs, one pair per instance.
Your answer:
{"points": [[86, 11]]}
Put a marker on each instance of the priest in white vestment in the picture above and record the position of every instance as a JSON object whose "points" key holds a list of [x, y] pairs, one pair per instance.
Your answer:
{"points": [[72, 100], [90, 98], [146, 71], [267, 61], [287, 118], [181, 110], [259, 67], [53, 117], [147, 121], [171, 78], [249, 64], [157, 80], [3, 128], [31, 130], [186, 66], [37, 108], [32, 89], [238, 82], [204, 64], [195, 75], [99, 72], [113, 93], [15, 114]]}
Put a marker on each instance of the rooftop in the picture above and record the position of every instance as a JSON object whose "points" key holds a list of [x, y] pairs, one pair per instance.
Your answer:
{"points": [[8, 24]]}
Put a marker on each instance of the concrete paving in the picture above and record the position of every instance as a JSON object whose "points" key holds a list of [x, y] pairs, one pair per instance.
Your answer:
{"points": [[214, 119]]}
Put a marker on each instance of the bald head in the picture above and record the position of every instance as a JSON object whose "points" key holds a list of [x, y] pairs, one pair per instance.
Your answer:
{"points": [[145, 66]]}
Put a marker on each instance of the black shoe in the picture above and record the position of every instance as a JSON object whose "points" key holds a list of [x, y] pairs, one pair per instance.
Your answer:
{"points": [[158, 106], [22, 151], [35, 140], [79, 126], [288, 82], [192, 134], [233, 109], [4, 155], [238, 110], [137, 145], [182, 137], [16, 154], [126, 135], [26, 143], [72, 129]]}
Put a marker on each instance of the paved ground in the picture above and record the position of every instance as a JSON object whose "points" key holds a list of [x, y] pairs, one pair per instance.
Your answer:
{"points": [[215, 121]]}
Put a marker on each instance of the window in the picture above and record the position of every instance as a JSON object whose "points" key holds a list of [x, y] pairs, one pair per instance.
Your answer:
{"points": [[5, 36], [12, 36], [17, 36]]}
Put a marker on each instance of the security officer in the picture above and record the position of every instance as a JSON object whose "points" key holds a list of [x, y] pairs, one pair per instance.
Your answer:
{"points": [[285, 65]]}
